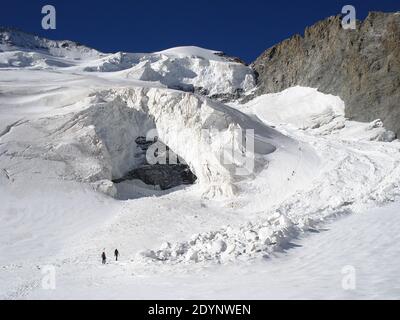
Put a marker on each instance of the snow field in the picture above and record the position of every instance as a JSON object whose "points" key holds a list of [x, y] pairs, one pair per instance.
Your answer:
{"points": [[69, 117]]}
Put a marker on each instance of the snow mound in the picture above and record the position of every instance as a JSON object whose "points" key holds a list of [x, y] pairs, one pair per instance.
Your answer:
{"points": [[193, 52], [308, 109], [302, 107], [229, 243]]}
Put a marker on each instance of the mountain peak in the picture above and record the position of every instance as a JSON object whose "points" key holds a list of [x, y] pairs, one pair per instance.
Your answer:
{"points": [[16, 38]]}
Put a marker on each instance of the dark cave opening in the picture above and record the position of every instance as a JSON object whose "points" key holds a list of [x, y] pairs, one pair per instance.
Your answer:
{"points": [[173, 173]]}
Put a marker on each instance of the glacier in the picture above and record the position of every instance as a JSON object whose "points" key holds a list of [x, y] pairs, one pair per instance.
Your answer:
{"points": [[69, 119]]}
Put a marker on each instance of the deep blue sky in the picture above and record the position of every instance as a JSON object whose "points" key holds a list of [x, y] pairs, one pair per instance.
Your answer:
{"points": [[239, 28]]}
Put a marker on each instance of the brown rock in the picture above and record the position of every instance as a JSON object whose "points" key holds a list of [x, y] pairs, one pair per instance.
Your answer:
{"points": [[361, 66]]}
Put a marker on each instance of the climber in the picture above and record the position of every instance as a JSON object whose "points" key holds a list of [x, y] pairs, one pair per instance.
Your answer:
{"points": [[103, 258], [116, 254]]}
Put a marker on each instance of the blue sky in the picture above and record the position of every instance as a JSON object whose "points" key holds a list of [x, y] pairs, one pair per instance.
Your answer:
{"points": [[239, 28]]}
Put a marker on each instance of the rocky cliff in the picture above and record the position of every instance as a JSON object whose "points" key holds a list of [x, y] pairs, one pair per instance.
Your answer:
{"points": [[361, 66]]}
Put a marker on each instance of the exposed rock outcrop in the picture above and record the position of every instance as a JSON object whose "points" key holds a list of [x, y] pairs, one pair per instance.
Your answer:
{"points": [[361, 66], [166, 175]]}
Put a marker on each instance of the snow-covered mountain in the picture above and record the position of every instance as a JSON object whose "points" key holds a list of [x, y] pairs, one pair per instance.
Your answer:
{"points": [[191, 69], [74, 126]]}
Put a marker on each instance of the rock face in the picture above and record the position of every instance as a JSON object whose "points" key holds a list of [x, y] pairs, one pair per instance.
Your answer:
{"points": [[361, 66]]}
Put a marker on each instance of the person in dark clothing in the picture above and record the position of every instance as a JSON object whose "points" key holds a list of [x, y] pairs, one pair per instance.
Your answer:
{"points": [[103, 257], [116, 254]]}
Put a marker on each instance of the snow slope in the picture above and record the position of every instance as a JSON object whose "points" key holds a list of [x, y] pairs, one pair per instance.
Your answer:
{"points": [[315, 267], [68, 128], [308, 109]]}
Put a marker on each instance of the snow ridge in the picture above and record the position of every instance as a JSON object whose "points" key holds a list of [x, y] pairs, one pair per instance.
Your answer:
{"points": [[11, 38], [191, 69]]}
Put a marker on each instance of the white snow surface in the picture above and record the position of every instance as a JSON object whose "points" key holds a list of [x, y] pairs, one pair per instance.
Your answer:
{"points": [[69, 117], [192, 51], [190, 68]]}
